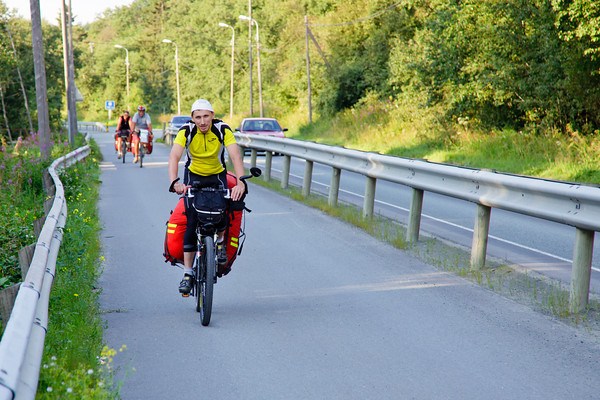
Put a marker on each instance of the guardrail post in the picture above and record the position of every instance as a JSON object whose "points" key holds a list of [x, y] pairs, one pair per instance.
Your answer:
{"points": [[48, 183], [268, 163], [480, 237], [308, 169], [48, 205], [38, 224], [25, 257], [253, 153], [369, 200], [581, 270], [285, 175], [334, 188], [414, 216], [7, 301]]}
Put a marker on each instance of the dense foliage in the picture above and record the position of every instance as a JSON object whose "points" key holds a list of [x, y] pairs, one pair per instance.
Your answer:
{"points": [[17, 73], [491, 64], [21, 196]]}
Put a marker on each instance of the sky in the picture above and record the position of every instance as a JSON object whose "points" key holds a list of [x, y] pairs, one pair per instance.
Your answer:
{"points": [[85, 11]]}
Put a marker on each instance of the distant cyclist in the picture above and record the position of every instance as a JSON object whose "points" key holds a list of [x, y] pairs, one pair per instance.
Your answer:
{"points": [[123, 130], [204, 140], [140, 120]]}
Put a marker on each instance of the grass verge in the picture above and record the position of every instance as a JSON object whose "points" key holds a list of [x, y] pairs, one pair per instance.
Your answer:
{"points": [[404, 129], [75, 363]]}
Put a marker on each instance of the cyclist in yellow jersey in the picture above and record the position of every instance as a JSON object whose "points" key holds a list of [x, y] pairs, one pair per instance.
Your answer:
{"points": [[204, 140]]}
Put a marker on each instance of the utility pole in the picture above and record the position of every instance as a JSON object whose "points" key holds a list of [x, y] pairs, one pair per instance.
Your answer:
{"points": [[250, 50], [73, 105], [41, 94], [308, 72], [69, 71]]}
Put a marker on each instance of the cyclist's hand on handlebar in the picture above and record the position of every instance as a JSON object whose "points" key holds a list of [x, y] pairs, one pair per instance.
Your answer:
{"points": [[238, 191], [180, 188]]}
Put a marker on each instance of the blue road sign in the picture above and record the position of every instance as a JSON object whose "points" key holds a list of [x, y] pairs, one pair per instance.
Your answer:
{"points": [[109, 104]]}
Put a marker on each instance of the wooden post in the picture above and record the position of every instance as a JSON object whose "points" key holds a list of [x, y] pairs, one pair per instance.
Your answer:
{"points": [[414, 216], [48, 183], [38, 224], [268, 163], [48, 205], [480, 237], [25, 257], [308, 170], [7, 301], [581, 270], [285, 175], [334, 189], [369, 200]]}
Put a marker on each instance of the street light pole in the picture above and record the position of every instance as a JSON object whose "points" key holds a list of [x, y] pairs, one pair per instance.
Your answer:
{"points": [[176, 73], [260, 100], [224, 25], [118, 46]]}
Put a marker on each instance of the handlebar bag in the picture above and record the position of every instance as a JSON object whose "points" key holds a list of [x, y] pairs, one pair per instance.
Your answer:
{"points": [[210, 204]]}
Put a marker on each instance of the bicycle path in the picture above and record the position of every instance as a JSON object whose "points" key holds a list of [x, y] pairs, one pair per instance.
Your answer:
{"points": [[314, 309]]}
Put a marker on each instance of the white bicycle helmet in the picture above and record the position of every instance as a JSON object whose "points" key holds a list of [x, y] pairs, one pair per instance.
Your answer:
{"points": [[202, 104]]}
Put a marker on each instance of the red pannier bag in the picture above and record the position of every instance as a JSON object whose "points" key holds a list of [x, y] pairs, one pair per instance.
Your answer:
{"points": [[174, 235], [149, 145], [173, 247], [234, 227]]}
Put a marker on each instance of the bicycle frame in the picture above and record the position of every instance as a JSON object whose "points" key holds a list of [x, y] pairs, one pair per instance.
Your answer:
{"points": [[205, 260]]}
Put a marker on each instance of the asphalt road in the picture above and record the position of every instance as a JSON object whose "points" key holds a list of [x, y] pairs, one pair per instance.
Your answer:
{"points": [[537, 245], [314, 309]]}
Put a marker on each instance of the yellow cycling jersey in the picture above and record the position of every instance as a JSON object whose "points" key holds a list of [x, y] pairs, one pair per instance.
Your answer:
{"points": [[205, 151]]}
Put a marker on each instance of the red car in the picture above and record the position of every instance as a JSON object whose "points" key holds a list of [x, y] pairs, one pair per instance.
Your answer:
{"points": [[261, 126]]}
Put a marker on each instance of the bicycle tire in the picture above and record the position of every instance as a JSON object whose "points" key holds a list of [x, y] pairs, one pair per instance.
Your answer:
{"points": [[141, 152], [123, 149], [207, 279], [197, 282]]}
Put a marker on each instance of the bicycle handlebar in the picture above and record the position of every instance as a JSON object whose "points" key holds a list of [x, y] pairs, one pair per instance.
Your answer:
{"points": [[254, 172]]}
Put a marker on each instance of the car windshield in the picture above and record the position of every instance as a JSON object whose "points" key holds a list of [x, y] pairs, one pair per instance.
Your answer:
{"points": [[180, 120], [261, 125]]}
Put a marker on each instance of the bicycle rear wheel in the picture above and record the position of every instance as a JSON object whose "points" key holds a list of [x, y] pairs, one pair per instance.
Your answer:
{"points": [[208, 264]]}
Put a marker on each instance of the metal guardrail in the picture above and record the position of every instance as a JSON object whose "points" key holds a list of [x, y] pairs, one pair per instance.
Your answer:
{"points": [[22, 344], [563, 202], [91, 126]]}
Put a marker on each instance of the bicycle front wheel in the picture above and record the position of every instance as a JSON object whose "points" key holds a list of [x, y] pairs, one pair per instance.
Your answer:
{"points": [[208, 265], [123, 149], [141, 152]]}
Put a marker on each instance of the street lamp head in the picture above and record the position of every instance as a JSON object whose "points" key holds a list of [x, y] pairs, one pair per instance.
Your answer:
{"points": [[223, 25], [167, 41], [244, 18], [118, 46]]}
